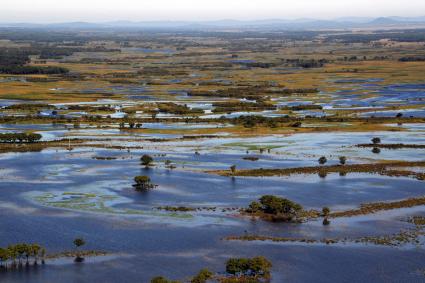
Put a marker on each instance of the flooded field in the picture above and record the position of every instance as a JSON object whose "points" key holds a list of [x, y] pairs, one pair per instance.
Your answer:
{"points": [[163, 155]]}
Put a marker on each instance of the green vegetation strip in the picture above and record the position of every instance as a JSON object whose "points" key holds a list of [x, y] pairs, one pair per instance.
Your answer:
{"points": [[378, 168], [392, 146], [370, 208]]}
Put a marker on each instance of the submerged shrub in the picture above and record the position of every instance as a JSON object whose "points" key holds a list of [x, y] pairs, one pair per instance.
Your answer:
{"points": [[146, 160]]}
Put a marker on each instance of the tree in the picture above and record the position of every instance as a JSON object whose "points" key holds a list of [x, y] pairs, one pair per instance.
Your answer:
{"points": [[161, 279], [143, 183], [325, 211], [202, 276], [254, 207], [376, 140], [146, 160], [276, 205], [4, 256], [79, 242], [322, 160], [342, 160], [35, 250], [254, 267], [233, 169]]}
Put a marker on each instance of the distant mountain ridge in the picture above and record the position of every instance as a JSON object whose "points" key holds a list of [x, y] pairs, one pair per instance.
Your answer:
{"points": [[347, 22]]}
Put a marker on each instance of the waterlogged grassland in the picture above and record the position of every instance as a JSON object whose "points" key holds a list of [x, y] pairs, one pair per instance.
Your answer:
{"points": [[97, 203]]}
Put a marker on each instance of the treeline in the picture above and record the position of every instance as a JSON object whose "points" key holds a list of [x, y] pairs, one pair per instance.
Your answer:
{"points": [[36, 70], [251, 92], [13, 256], [306, 63], [19, 137], [289, 91], [415, 35], [173, 108], [303, 107], [412, 59], [13, 61], [232, 106]]}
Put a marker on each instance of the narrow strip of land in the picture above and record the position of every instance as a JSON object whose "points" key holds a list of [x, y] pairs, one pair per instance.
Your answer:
{"points": [[377, 168]]}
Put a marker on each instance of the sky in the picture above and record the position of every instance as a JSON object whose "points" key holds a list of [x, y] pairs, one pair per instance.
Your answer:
{"points": [[46, 11]]}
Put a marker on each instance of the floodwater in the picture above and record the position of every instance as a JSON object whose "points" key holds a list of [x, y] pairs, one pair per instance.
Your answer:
{"points": [[53, 196]]}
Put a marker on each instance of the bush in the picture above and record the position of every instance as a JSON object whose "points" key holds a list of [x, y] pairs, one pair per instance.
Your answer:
{"points": [[146, 160], [202, 276], [325, 211], [322, 160], [19, 137], [342, 160], [161, 279], [143, 183], [276, 205], [256, 267], [376, 140]]}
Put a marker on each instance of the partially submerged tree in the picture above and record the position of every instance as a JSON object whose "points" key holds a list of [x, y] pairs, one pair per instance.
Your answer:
{"points": [[202, 276], [274, 208], [257, 267], [322, 160], [161, 279], [79, 242], [143, 183], [146, 160]]}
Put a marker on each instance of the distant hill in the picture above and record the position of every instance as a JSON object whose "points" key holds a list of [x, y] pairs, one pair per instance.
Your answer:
{"points": [[297, 24]]}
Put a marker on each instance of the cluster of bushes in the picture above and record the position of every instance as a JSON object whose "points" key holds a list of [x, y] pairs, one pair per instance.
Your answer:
{"points": [[257, 267], [306, 63], [412, 59], [13, 61], [258, 65], [232, 106], [28, 106], [14, 56], [25, 70], [238, 270], [252, 92], [303, 107], [275, 208], [143, 183], [253, 120], [288, 91], [173, 108], [19, 137], [14, 255], [414, 35]]}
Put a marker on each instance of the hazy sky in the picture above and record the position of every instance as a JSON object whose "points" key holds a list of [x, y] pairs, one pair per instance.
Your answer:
{"points": [[147, 10]]}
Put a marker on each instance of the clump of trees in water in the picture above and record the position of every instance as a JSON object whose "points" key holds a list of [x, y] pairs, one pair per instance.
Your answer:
{"points": [[79, 242], [249, 268], [19, 137], [274, 208], [173, 108], [143, 183], [15, 256], [238, 270], [146, 160]]}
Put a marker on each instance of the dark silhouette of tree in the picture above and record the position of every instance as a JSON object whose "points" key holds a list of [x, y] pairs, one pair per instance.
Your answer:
{"points": [[322, 160], [146, 160]]}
